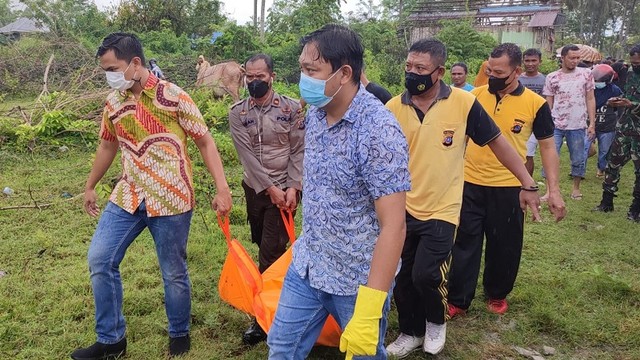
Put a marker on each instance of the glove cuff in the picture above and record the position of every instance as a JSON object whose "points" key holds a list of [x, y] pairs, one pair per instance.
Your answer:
{"points": [[370, 301]]}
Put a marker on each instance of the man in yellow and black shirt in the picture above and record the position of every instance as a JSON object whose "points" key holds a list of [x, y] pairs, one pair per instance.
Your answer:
{"points": [[491, 204], [436, 119]]}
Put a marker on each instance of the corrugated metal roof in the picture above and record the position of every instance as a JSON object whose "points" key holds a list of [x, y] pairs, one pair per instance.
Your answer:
{"points": [[440, 15], [543, 19], [517, 9], [23, 25]]}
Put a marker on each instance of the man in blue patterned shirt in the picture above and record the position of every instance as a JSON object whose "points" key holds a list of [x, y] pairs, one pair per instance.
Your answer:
{"points": [[355, 179]]}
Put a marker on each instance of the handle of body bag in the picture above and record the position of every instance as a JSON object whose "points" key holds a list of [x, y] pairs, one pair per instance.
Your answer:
{"points": [[289, 225]]}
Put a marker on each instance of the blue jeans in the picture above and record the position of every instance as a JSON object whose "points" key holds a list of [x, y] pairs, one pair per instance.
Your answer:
{"points": [[301, 314], [115, 232], [605, 139], [575, 143]]}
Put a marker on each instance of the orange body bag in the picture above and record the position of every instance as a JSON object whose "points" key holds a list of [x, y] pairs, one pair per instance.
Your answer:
{"points": [[242, 286]]}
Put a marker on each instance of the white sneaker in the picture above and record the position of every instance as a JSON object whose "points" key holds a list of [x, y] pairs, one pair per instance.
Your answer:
{"points": [[435, 337], [404, 345]]}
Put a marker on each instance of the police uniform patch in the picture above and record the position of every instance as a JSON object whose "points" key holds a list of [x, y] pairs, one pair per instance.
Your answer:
{"points": [[517, 126], [248, 122], [447, 137], [282, 118]]}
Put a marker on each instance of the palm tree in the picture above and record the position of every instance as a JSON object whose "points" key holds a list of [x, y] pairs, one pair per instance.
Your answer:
{"points": [[262, 20], [255, 14]]}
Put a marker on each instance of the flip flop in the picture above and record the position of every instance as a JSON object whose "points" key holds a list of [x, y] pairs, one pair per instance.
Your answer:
{"points": [[576, 197]]}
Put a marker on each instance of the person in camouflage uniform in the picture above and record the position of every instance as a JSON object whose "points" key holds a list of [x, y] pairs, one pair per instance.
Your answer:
{"points": [[626, 145]]}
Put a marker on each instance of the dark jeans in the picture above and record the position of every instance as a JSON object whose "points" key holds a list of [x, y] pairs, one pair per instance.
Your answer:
{"points": [[493, 212], [421, 285], [267, 227]]}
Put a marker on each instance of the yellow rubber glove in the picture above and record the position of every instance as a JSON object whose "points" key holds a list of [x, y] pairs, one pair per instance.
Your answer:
{"points": [[360, 337]]}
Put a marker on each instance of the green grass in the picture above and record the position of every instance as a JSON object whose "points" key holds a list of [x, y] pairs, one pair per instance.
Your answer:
{"points": [[578, 289]]}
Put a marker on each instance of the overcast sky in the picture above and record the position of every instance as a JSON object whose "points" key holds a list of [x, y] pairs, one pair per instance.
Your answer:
{"points": [[240, 10]]}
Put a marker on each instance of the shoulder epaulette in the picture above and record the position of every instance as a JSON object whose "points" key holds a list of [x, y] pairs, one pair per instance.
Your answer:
{"points": [[237, 103]]}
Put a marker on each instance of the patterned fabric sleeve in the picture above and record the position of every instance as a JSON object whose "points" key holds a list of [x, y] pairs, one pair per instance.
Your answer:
{"points": [[190, 118], [386, 168], [590, 83], [107, 129], [548, 86]]}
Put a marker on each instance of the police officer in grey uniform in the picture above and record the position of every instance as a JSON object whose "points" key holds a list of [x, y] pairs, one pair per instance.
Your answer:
{"points": [[268, 132]]}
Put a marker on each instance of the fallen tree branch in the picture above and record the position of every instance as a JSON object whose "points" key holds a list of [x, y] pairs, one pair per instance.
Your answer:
{"points": [[37, 206], [40, 206], [32, 199]]}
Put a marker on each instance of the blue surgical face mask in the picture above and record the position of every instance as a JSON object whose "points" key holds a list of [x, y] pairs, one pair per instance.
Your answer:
{"points": [[312, 90], [600, 85]]}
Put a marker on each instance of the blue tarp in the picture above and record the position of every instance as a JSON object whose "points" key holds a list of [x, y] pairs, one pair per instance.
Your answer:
{"points": [[215, 36]]}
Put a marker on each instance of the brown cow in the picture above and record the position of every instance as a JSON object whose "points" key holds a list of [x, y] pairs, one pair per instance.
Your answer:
{"points": [[223, 78]]}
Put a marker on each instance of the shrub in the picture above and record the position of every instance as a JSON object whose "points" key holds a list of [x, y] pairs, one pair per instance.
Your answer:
{"points": [[55, 128]]}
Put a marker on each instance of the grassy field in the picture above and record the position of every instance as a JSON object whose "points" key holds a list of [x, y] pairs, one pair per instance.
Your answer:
{"points": [[578, 289]]}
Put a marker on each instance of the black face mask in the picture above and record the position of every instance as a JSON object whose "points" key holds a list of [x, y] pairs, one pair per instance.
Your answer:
{"points": [[418, 84], [498, 84], [258, 88], [636, 69]]}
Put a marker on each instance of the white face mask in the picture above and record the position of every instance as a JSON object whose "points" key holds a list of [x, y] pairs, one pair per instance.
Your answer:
{"points": [[117, 81]]}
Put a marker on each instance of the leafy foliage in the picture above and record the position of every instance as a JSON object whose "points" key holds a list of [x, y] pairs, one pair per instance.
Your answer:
{"points": [[238, 42], [302, 16], [385, 52], [70, 18], [215, 112], [609, 25], [464, 43], [55, 128], [6, 16], [184, 17]]}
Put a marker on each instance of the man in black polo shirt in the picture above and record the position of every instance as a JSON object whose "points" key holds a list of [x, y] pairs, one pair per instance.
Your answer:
{"points": [[491, 204]]}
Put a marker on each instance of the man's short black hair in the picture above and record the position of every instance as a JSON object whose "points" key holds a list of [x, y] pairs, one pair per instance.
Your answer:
{"points": [[266, 58], [339, 46], [635, 50], [462, 65], [126, 46], [435, 49], [512, 51], [571, 47], [532, 52]]}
